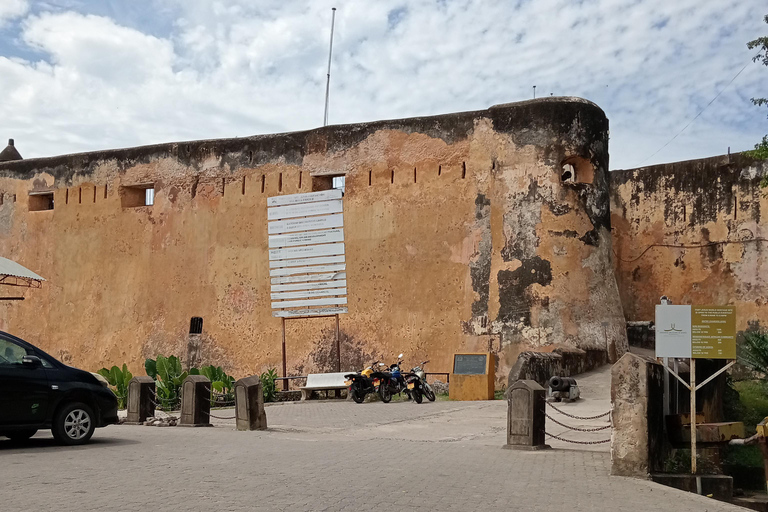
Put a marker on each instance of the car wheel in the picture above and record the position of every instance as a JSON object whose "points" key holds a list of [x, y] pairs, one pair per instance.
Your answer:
{"points": [[20, 435], [74, 424]]}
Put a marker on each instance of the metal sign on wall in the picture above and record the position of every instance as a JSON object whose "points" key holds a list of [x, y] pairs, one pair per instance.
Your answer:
{"points": [[307, 265], [698, 332]]}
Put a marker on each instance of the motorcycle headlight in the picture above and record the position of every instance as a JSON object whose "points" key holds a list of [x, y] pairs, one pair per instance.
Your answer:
{"points": [[101, 379]]}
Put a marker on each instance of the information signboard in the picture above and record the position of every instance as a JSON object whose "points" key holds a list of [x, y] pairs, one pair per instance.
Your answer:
{"points": [[306, 254], [713, 332], [673, 331], [470, 364]]}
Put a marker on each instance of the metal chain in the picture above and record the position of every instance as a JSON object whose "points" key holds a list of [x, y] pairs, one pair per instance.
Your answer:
{"points": [[220, 417], [577, 428], [577, 442], [578, 417]]}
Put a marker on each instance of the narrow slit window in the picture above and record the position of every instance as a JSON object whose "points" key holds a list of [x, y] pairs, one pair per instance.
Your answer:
{"points": [[439, 170], [280, 183], [80, 195], [105, 191], [392, 176], [463, 170], [414, 175], [263, 183], [243, 190], [94, 193], [300, 173], [369, 177], [66, 197]]}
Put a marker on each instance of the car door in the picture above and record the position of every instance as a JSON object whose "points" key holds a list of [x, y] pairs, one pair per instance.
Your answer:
{"points": [[23, 388]]}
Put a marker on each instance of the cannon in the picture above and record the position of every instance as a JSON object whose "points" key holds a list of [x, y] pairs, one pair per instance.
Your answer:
{"points": [[562, 389]]}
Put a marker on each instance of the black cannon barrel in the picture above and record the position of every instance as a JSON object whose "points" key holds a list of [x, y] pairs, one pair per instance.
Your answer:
{"points": [[561, 383]]}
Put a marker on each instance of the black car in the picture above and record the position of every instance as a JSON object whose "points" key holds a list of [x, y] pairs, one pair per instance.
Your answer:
{"points": [[38, 392]]}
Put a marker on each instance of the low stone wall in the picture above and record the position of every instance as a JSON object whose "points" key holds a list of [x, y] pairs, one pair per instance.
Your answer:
{"points": [[564, 362], [641, 334]]}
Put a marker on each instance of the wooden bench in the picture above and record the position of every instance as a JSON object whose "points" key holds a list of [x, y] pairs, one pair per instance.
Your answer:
{"points": [[323, 382]]}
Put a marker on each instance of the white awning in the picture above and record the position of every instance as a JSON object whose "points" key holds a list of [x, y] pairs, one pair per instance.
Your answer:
{"points": [[10, 268]]}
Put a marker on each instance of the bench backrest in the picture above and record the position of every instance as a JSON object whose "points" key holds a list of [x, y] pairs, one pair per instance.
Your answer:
{"points": [[320, 380]]}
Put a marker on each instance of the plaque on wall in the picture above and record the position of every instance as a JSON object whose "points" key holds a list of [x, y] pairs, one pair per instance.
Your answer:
{"points": [[470, 364]]}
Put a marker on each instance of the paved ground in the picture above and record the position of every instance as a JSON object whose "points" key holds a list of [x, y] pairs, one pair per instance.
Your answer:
{"points": [[326, 456]]}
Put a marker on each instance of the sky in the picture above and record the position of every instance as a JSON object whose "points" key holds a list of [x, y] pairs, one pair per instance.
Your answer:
{"points": [[82, 75]]}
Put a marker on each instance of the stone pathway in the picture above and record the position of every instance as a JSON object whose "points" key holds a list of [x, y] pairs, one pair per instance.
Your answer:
{"points": [[326, 456]]}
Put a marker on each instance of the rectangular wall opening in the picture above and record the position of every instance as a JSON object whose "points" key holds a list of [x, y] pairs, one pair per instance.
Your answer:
{"points": [[40, 201], [329, 182], [134, 196]]}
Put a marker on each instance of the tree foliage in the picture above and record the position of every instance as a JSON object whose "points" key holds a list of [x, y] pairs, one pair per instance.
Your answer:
{"points": [[761, 43]]}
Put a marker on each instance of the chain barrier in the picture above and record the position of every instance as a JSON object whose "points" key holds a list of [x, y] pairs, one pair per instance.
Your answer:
{"points": [[577, 442], [220, 417], [577, 428], [578, 417]]}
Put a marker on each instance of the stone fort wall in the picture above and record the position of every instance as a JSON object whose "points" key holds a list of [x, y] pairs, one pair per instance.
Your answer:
{"points": [[694, 231], [475, 231]]}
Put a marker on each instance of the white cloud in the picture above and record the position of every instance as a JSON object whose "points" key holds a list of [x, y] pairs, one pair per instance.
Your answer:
{"points": [[240, 67], [10, 9]]}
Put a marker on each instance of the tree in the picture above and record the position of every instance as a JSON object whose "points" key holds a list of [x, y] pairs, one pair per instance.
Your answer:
{"points": [[761, 149]]}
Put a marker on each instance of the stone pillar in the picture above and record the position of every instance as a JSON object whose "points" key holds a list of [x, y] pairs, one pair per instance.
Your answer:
{"points": [[141, 396], [195, 402], [526, 416], [638, 442], [249, 404]]}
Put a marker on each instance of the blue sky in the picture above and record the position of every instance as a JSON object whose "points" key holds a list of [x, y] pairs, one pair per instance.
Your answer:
{"points": [[79, 75]]}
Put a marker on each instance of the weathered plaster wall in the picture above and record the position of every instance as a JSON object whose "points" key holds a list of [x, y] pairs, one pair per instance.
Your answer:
{"points": [[694, 231], [460, 236]]}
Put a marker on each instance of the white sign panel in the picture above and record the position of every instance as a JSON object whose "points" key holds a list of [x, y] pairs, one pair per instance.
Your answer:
{"points": [[312, 237], [333, 301], [309, 197], [305, 294], [323, 260], [305, 210], [311, 277], [305, 270], [293, 225], [306, 251], [306, 254], [288, 313], [673, 331], [319, 285]]}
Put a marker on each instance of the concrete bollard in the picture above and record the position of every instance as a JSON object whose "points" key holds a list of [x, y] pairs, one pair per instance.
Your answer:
{"points": [[249, 404], [195, 402], [141, 396], [526, 416]]}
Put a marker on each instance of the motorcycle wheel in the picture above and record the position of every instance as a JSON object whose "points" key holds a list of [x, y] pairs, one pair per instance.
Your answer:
{"points": [[358, 395], [416, 394], [429, 393], [385, 393]]}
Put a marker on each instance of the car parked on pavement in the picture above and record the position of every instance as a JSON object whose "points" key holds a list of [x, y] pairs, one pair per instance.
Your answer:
{"points": [[38, 392]]}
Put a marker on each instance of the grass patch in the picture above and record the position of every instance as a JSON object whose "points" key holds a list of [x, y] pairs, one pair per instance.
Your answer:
{"points": [[753, 399]]}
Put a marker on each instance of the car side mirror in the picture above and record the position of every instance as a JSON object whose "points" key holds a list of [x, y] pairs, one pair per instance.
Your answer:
{"points": [[31, 361]]}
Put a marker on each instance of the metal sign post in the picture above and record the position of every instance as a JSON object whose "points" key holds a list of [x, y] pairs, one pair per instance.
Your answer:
{"points": [[695, 332], [307, 262]]}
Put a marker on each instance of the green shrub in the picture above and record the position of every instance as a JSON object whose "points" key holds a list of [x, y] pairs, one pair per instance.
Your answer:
{"points": [[268, 384], [118, 379], [168, 377], [222, 385], [753, 351]]}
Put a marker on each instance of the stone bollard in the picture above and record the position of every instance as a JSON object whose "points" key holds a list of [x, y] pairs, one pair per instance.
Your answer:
{"points": [[526, 416], [141, 396], [195, 402], [638, 442], [249, 404]]}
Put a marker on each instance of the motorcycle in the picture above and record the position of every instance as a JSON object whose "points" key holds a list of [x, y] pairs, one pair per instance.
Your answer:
{"points": [[393, 382], [361, 383], [426, 389]]}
